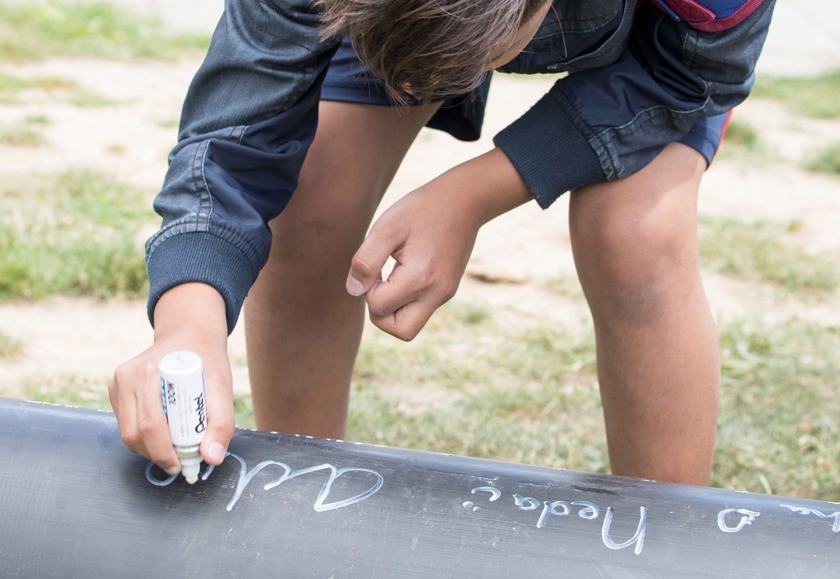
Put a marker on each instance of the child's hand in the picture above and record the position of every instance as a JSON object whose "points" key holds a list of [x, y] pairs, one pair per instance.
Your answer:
{"points": [[187, 317], [431, 241], [430, 234]]}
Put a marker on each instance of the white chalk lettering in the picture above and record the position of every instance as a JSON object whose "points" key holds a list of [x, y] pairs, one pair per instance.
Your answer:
{"points": [[157, 482], [747, 518], [638, 537], [550, 508], [320, 505], [588, 511], [808, 511], [526, 503], [494, 496]]}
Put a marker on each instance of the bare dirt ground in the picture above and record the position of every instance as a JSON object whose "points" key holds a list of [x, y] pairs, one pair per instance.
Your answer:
{"points": [[514, 257]]}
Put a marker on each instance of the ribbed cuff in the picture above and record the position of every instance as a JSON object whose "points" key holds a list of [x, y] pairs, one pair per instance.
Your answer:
{"points": [[551, 155], [200, 257]]}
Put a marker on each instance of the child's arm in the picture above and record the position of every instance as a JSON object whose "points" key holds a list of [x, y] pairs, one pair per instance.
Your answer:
{"points": [[246, 125]]}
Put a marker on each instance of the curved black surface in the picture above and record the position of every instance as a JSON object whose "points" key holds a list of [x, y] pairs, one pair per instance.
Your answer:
{"points": [[76, 503]]}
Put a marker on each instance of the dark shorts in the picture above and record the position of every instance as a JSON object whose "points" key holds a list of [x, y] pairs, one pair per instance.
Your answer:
{"points": [[462, 116]]}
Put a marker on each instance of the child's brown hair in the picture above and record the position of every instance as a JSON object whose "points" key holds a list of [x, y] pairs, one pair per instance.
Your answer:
{"points": [[430, 48]]}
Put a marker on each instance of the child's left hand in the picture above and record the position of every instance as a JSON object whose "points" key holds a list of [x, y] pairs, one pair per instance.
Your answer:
{"points": [[430, 241], [430, 234]]}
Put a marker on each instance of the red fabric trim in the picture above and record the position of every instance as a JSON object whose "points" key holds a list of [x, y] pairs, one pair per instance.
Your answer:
{"points": [[698, 16]]}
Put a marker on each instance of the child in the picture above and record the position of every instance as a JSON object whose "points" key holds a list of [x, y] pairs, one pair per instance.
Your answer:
{"points": [[629, 132]]}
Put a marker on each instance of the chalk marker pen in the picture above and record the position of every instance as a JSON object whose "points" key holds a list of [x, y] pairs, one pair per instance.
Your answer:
{"points": [[182, 389]]}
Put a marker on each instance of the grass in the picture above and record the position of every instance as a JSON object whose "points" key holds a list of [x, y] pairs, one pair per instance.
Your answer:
{"points": [[481, 391], [33, 32], [24, 134], [532, 397], [742, 140], [74, 234], [759, 252], [565, 285], [810, 96], [69, 390], [10, 87], [20, 135], [780, 397], [9, 347], [814, 97], [38, 120], [15, 90], [169, 123], [826, 161]]}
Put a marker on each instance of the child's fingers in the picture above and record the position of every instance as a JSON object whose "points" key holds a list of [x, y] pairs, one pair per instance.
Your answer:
{"points": [[135, 398], [153, 428], [220, 416], [366, 265], [405, 322], [403, 303]]}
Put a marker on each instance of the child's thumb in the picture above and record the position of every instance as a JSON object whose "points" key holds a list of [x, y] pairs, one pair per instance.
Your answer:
{"points": [[366, 266]]}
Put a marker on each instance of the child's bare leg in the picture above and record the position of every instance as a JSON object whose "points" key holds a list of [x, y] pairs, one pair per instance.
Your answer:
{"points": [[302, 327], [635, 246]]}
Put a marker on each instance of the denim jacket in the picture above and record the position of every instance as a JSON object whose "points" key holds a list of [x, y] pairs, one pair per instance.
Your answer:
{"points": [[639, 79]]}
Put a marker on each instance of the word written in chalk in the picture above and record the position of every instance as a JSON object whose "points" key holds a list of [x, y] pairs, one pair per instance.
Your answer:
{"points": [[807, 511], [585, 510], [729, 520], [321, 503]]}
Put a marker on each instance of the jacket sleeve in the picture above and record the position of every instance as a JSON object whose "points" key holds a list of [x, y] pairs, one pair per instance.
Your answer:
{"points": [[606, 123], [247, 122]]}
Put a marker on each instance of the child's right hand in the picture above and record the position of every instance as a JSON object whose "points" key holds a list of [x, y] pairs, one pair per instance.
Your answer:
{"points": [[188, 317]]}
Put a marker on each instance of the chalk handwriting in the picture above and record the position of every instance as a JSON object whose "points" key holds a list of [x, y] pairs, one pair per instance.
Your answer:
{"points": [[747, 518], [588, 511], [245, 477], [526, 503], [638, 537], [807, 511], [729, 520], [494, 496]]}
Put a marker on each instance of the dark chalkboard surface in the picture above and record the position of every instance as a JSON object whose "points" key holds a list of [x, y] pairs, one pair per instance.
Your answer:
{"points": [[76, 503]]}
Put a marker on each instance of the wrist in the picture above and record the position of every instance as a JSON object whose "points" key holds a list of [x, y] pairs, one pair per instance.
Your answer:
{"points": [[487, 186], [194, 308]]}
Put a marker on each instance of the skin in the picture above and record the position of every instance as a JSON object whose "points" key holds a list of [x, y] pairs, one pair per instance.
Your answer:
{"points": [[634, 243], [635, 248]]}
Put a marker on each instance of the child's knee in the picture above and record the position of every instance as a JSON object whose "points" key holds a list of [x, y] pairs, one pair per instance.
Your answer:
{"points": [[634, 269]]}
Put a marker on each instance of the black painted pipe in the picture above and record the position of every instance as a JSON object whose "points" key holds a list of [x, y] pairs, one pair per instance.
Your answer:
{"points": [[74, 502]]}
